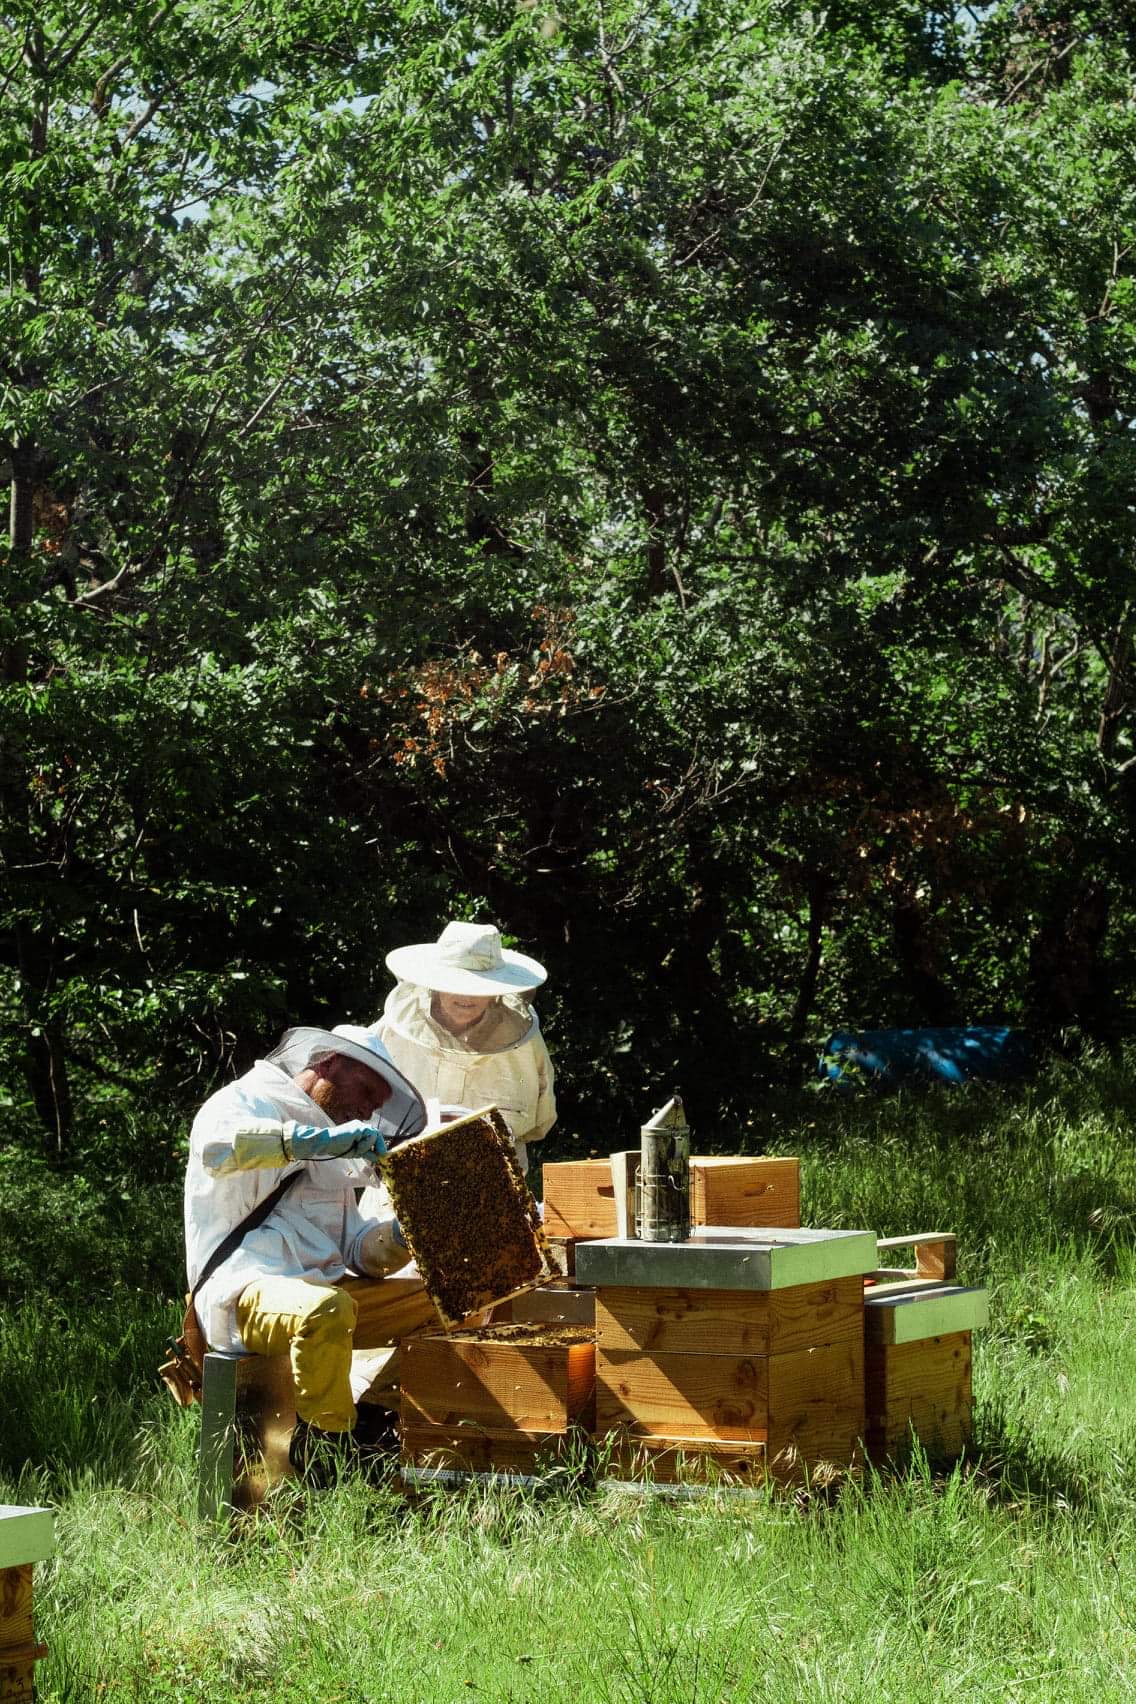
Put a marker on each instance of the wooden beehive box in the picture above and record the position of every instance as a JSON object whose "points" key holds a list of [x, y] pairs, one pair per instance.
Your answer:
{"points": [[467, 1214], [745, 1191], [557, 1303], [801, 1402], [579, 1195], [496, 1399], [579, 1199], [26, 1537], [699, 1462], [917, 1369], [739, 1368]]}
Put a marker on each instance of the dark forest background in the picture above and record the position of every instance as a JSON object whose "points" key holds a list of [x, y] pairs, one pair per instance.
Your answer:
{"points": [[660, 477]]}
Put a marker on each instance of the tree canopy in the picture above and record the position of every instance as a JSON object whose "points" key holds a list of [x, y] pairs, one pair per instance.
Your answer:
{"points": [[661, 477]]}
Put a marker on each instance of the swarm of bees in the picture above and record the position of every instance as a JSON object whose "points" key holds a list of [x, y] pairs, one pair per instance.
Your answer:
{"points": [[467, 1215]]}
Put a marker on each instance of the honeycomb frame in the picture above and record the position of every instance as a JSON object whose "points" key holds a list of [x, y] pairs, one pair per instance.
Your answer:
{"points": [[467, 1214]]}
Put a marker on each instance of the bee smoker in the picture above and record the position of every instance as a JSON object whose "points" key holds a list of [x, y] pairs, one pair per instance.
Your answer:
{"points": [[662, 1191]]}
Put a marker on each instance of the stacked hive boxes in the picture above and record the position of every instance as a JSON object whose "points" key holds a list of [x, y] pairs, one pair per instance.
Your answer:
{"points": [[736, 1350], [26, 1537], [501, 1401], [746, 1351]]}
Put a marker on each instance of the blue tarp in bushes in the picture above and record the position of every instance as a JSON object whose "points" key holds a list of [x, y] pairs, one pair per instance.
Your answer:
{"points": [[965, 1054]]}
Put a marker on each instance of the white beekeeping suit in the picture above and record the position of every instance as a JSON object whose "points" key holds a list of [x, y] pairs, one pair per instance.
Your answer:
{"points": [[317, 1231], [500, 1061]]}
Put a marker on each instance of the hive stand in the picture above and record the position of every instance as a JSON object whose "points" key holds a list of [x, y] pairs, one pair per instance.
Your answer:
{"points": [[27, 1536], [248, 1410]]}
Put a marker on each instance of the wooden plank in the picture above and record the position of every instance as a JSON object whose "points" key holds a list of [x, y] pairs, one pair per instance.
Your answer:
{"points": [[17, 1676], [388, 1309], [579, 1199], [810, 1401], [18, 1650], [745, 1190], [936, 1252], [682, 1461], [682, 1396], [716, 1322], [922, 1388], [816, 1408], [624, 1175], [562, 1256], [556, 1304], [16, 1605], [891, 1282], [265, 1409], [474, 1449], [503, 1386]]}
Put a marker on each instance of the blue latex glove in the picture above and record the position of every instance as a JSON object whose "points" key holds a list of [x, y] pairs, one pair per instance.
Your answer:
{"points": [[307, 1142], [396, 1234]]}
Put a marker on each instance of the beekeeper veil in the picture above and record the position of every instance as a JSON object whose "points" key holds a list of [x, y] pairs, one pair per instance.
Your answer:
{"points": [[404, 1112]]}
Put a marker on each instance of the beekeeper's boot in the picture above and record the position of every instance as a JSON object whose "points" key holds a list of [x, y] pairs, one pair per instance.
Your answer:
{"points": [[318, 1457]]}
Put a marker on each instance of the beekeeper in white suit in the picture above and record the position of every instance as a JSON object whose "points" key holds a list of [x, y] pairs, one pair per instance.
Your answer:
{"points": [[461, 1026], [307, 1121]]}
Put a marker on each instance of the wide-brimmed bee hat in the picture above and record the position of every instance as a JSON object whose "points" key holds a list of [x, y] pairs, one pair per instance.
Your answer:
{"points": [[467, 958]]}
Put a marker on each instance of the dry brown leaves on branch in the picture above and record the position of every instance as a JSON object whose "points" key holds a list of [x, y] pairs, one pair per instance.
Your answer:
{"points": [[438, 703]]}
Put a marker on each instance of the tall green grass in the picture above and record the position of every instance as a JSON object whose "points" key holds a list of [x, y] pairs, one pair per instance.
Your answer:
{"points": [[1011, 1577], [901, 1587]]}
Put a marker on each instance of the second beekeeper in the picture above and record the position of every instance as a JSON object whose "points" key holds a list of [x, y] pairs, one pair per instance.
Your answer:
{"points": [[460, 1025]]}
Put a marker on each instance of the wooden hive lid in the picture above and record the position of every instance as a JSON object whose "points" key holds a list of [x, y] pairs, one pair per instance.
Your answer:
{"points": [[911, 1316], [727, 1257]]}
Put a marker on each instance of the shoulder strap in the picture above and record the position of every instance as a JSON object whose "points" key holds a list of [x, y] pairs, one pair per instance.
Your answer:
{"points": [[233, 1239]]}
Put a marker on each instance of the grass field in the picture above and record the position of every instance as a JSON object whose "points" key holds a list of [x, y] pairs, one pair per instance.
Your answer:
{"points": [[1011, 1577]]}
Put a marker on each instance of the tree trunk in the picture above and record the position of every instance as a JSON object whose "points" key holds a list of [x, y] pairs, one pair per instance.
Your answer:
{"points": [[44, 1065], [655, 508], [1066, 985], [818, 898], [918, 959], [1117, 693], [45, 1070]]}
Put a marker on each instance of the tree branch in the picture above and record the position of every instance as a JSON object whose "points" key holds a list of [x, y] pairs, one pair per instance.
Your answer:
{"points": [[1024, 580]]}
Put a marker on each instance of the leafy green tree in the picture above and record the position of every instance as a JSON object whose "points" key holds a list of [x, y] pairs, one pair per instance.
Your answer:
{"points": [[662, 477]]}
